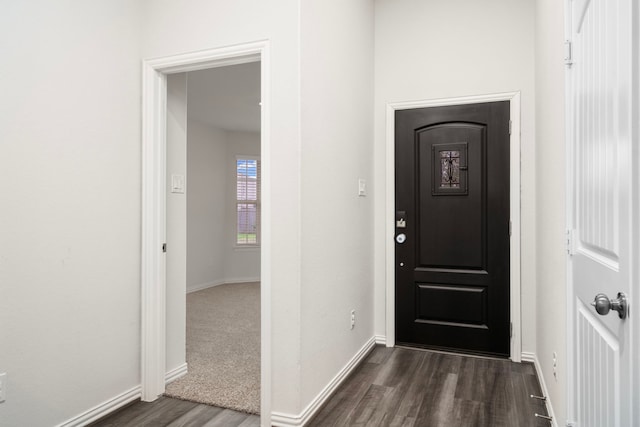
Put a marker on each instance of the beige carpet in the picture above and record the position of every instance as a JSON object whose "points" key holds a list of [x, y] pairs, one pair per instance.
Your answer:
{"points": [[223, 348]]}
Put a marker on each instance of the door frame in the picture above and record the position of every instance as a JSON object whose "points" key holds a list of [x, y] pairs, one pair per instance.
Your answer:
{"points": [[568, 149], [514, 208], [153, 261]]}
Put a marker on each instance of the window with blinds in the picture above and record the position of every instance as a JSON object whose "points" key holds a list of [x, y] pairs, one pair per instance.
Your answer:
{"points": [[247, 201]]}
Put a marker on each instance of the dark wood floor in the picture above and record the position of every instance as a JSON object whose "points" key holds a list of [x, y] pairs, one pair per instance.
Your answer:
{"points": [[168, 412], [392, 387], [414, 388]]}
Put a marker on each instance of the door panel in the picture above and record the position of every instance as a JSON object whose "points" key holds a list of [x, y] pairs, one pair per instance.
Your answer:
{"points": [[435, 302], [602, 206], [452, 203], [452, 210]]}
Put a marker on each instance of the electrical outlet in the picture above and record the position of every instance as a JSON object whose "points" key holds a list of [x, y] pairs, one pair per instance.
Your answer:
{"points": [[3, 387], [353, 319]]}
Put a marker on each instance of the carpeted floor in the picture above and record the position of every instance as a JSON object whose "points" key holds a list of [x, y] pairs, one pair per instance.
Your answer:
{"points": [[223, 348]]}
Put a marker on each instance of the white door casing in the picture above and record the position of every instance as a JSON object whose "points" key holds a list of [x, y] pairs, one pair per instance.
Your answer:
{"points": [[602, 205], [153, 298]]}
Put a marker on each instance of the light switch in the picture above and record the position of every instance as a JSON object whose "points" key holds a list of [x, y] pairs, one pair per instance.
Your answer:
{"points": [[177, 183], [362, 187]]}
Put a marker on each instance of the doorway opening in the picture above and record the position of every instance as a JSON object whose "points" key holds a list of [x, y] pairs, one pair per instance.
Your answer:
{"points": [[156, 323], [213, 236]]}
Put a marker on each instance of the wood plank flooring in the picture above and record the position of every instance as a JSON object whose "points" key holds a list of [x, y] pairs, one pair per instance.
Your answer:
{"points": [[395, 387], [414, 388], [168, 412]]}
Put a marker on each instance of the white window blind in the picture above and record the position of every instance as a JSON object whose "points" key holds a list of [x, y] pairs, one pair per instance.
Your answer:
{"points": [[247, 201]]}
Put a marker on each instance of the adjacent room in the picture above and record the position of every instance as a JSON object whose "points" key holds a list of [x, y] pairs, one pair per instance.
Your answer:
{"points": [[216, 210]]}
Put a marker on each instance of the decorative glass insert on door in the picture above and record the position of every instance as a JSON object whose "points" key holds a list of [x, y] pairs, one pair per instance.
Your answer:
{"points": [[450, 169]]}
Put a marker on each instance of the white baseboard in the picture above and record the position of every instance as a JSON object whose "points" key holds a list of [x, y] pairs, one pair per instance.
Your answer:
{"points": [[531, 357], [103, 409], [280, 419], [176, 373], [381, 339], [202, 286], [528, 357], [241, 280], [111, 405]]}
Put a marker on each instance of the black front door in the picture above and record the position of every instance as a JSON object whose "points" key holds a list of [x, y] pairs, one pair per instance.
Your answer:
{"points": [[452, 228]]}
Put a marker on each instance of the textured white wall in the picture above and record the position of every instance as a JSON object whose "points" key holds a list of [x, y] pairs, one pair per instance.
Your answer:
{"points": [[337, 149], [450, 48], [551, 257], [206, 201], [70, 217]]}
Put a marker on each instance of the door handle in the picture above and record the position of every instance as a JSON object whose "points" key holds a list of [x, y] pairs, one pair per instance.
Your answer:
{"points": [[603, 305]]}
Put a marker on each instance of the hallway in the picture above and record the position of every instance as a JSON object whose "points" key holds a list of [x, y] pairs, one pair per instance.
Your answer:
{"points": [[392, 387], [415, 388]]}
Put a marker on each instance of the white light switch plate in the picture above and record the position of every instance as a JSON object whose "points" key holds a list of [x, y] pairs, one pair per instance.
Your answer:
{"points": [[177, 183], [362, 187]]}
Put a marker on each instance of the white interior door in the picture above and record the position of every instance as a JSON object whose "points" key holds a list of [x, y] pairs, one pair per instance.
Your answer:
{"points": [[603, 189]]}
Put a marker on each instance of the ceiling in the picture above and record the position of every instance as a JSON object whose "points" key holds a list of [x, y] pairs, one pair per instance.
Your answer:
{"points": [[226, 97]]}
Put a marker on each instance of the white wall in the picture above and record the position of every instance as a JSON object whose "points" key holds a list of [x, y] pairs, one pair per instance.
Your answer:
{"points": [[337, 149], [551, 256], [450, 48], [173, 27], [212, 256], [176, 219], [206, 205], [70, 217]]}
